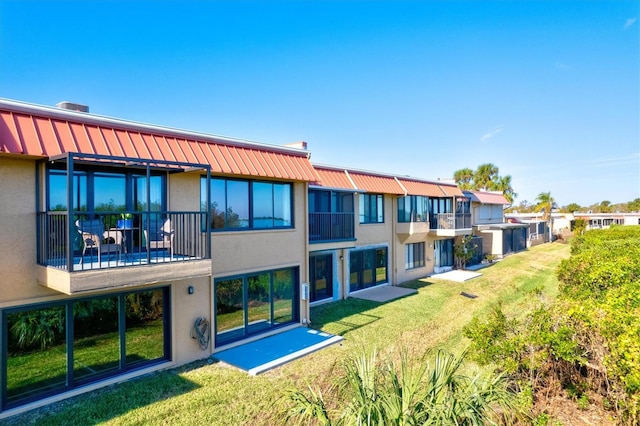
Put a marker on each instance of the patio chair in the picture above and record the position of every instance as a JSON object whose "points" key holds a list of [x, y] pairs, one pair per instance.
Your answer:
{"points": [[94, 236], [159, 235]]}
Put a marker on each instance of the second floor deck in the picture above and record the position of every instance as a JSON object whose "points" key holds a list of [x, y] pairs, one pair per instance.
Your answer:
{"points": [[83, 251]]}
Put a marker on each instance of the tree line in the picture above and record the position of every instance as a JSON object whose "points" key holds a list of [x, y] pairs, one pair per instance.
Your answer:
{"points": [[486, 177]]}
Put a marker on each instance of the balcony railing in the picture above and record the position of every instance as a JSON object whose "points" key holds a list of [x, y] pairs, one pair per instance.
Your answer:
{"points": [[331, 226], [145, 238], [450, 221]]}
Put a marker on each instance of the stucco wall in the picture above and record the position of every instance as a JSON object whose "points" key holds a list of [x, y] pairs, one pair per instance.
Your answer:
{"points": [[18, 233], [404, 275], [186, 309]]}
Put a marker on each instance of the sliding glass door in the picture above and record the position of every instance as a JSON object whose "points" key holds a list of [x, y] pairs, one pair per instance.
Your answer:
{"points": [[253, 303], [444, 253]]}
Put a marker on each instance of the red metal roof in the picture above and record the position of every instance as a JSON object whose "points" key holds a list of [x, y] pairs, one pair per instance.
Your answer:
{"points": [[487, 197], [44, 132], [375, 183], [451, 190], [426, 189], [333, 178]]}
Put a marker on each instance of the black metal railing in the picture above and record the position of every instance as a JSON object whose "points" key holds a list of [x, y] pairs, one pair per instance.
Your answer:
{"points": [[101, 240], [450, 221], [331, 226]]}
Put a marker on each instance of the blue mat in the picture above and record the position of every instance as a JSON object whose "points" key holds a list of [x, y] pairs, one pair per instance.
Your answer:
{"points": [[269, 352]]}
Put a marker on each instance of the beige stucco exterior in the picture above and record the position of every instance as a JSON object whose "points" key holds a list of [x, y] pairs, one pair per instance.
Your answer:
{"points": [[18, 233], [191, 284], [25, 282]]}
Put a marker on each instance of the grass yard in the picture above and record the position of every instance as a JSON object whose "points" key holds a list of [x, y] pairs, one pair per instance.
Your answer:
{"points": [[200, 393]]}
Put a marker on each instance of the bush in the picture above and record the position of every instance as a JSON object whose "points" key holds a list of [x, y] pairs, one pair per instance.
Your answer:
{"points": [[589, 340]]}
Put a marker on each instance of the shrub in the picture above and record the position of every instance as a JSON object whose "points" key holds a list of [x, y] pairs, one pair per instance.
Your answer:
{"points": [[382, 392]]}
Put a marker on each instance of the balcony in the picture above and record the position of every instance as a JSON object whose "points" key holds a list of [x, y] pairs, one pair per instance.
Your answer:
{"points": [[148, 247], [324, 227], [412, 232], [450, 224]]}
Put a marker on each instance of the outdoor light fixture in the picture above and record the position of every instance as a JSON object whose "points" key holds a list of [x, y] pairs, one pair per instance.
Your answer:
{"points": [[191, 290]]}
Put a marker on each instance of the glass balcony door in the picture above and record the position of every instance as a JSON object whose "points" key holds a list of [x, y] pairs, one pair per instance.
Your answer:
{"points": [[254, 303]]}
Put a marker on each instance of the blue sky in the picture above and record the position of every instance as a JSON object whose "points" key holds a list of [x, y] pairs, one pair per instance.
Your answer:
{"points": [[548, 91]]}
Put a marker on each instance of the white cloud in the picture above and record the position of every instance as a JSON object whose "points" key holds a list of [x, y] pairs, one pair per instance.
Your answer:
{"points": [[491, 133], [562, 66], [618, 160], [629, 22]]}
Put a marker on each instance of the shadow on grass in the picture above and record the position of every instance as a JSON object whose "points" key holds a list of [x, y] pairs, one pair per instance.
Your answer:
{"points": [[344, 315], [109, 403], [417, 284]]}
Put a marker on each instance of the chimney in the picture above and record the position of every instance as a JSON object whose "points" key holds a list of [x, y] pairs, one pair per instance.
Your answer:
{"points": [[72, 106], [299, 145]]}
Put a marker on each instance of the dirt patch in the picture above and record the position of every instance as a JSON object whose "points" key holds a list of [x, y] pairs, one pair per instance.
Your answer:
{"points": [[562, 409]]}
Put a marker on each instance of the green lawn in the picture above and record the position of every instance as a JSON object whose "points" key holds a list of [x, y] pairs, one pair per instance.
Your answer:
{"points": [[200, 393]]}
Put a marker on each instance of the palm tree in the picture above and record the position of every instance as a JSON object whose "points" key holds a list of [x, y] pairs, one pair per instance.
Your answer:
{"points": [[545, 204], [384, 393], [464, 178], [503, 184], [484, 176]]}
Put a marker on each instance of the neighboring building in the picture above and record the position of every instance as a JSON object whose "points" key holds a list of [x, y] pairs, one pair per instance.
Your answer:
{"points": [[563, 222], [499, 237], [605, 220]]}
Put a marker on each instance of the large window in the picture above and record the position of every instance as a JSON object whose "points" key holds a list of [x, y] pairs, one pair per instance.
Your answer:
{"points": [[55, 347], [106, 190], [367, 268], [413, 208], [242, 204], [251, 304], [414, 256], [440, 205], [321, 276], [371, 208]]}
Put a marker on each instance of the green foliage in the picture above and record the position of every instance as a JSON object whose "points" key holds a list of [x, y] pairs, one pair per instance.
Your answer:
{"points": [[572, 207], [39, 328], [545, 202], [383, 392], [589, 340], [485, 178], [465, 250], [601, 260], [579, 226]]}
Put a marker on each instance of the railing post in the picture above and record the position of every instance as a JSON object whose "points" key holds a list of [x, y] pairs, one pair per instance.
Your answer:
{"points": [[70, 225]]}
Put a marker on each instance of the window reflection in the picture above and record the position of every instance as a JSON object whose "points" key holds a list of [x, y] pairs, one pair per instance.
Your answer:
{"points": [[283, 293], [96, 343], [155, 193], [229, 308], [238, 204], [144, 334], [262, 205], [259, 302], [106, 191], [58, 191], [254, 303], [37, 352], [109, 192], [282, 205]]}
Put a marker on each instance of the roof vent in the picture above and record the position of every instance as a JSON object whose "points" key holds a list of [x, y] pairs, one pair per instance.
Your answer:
{"points": [[72, 106]]}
